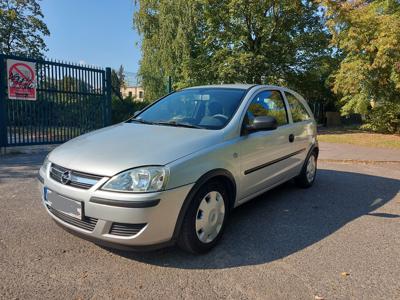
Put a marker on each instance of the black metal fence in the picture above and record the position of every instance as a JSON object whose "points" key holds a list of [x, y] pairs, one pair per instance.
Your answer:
{"points": [[71, 100]]}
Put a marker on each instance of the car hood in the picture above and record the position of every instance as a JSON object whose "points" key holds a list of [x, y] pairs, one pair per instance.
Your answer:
{"points": [[127, 145]]}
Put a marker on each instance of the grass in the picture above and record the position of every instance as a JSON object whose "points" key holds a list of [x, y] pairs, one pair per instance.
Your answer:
{"points": [[355, 136]]}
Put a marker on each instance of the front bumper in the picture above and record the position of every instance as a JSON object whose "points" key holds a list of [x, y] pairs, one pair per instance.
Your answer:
{"points": [[119, 220]]}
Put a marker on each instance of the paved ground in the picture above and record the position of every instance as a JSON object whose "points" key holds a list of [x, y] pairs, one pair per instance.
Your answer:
{"points": [[340, 152], [287, 244]]}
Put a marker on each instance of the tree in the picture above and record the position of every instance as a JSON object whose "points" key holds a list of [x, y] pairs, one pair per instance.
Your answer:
{"points": [[22, 28], [315, 84], [213, 41], [122, 108], [118, 81], [72, 84], [121, 77], [169, 46], [367, 35]]}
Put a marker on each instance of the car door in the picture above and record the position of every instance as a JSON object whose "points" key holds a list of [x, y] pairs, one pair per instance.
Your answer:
{"points": [[302, 127], [263, 153]]}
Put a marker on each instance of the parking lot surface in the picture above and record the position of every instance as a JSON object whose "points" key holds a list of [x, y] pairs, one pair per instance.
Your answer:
{"points": [[337, 240]]}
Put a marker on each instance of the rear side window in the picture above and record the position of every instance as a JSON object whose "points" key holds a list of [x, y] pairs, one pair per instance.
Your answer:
{"points": [[299, 113], [268, 103]]}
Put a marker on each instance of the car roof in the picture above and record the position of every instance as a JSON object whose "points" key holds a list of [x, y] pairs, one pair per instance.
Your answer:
{"points": [[234, 86]]}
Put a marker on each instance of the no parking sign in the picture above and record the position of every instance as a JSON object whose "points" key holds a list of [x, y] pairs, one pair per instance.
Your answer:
{"points": [[21, 79]]}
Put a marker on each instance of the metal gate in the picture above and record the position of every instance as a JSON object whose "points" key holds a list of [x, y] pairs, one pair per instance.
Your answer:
{"points": [[70, 100]]}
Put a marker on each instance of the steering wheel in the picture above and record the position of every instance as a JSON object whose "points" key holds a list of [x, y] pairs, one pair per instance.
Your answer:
{"points": [[221, 117]]}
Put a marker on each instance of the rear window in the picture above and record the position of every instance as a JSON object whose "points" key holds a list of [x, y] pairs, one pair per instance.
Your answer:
{"points": [[299, 112]]}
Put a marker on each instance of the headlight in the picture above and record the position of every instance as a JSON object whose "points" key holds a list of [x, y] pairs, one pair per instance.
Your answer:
{"points": [[46, 164], [145, 179]]}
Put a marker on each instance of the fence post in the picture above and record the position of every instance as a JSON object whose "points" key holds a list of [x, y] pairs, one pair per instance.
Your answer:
{"points": [[107, 108], [3, 104]]}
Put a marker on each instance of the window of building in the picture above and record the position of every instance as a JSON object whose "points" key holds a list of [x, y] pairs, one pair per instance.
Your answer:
{"points": [[130, 94], [140, 94]]}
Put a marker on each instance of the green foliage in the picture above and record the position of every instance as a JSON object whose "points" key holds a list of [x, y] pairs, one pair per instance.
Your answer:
{"points": [[249, 41], [367, 36], [71, 84], [121, 77], [118, 81], [123, 109], [22, 28], [384, 119], [315, 83]]}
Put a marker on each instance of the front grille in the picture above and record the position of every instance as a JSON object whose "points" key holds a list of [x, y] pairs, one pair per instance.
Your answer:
{"points": [[77, 179], [122, 229], [87, 223]]}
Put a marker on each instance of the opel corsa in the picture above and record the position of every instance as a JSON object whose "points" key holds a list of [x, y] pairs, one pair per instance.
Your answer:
{"points": [[174, 172]]}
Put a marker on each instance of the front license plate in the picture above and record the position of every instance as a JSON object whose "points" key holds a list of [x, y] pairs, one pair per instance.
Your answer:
{"points": [[62, 204]]}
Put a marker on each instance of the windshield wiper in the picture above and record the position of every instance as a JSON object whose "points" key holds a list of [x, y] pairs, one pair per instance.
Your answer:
{"points": [[177, 124], [141, 121]]}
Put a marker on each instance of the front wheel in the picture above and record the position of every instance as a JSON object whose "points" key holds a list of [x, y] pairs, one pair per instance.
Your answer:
{"points": [[308, 173], [205, 219]]}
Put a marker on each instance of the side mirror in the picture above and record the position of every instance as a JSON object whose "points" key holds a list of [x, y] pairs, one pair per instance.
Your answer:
{"points": [[262, 123], [136, 113]]}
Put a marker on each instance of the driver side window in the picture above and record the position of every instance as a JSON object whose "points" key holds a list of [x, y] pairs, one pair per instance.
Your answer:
{"points": [[268, 103]]}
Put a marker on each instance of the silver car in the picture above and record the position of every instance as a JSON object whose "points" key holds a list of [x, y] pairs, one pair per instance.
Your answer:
{"points": [[174, 172]]}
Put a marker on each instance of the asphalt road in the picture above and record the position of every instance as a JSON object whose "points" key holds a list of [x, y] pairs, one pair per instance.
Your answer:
{"points": [[338, 240]]}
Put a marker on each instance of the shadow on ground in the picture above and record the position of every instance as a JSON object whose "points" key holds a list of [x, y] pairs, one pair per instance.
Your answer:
{"points": [[32, 160], [286, 220], [20, 166]]}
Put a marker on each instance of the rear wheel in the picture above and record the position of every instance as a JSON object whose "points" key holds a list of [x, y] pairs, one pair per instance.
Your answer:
{"points": [[205, 219], [308, 173]]}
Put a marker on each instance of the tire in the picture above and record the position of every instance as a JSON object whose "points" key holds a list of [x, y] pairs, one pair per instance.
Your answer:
{"points": [[199, 236], [308, 173]]}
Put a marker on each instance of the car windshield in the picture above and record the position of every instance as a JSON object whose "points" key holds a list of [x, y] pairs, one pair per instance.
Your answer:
{"points": [[208, 108]]}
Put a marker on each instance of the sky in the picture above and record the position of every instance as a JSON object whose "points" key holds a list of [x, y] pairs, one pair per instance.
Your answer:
{"points": [[93, 32]]}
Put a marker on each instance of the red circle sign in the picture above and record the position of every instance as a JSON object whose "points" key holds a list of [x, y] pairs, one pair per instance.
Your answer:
{"points": [[22, 76], [21, 80]]}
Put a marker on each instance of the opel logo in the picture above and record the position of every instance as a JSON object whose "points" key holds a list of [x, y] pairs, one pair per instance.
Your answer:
{"points": [[66, 177]]}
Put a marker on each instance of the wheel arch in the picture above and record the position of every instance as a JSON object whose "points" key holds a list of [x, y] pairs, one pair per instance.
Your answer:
{"points": [[222, 175], [313, 149]]}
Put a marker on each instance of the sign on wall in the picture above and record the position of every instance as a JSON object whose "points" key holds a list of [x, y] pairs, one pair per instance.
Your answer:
{"points": [[21, 79]]}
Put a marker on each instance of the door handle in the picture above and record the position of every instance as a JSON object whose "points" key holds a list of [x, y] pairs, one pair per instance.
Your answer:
{"points": [[291, 137]]}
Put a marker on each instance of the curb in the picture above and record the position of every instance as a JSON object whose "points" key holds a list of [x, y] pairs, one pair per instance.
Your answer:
{"points": [[357, 161]]}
